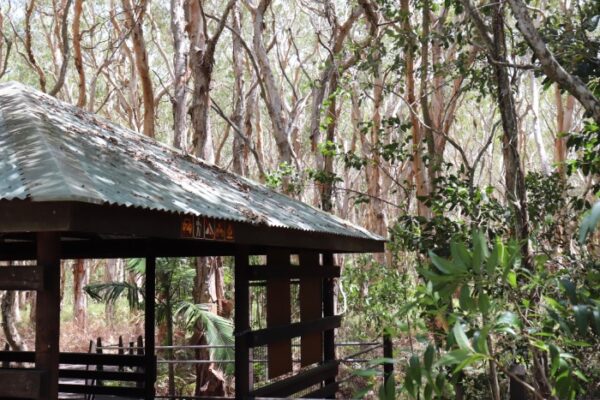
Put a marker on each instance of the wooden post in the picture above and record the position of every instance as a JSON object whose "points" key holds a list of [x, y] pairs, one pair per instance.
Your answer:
{"points": [[388, 352], [121, 352], [99, 350], [6, 364], [328, 311], [243, 372], [149, 327], [47, 323]]}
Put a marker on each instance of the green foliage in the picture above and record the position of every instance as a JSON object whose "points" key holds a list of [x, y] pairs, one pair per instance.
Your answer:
{"points": [[478, 305], [285, 178], [371, 292], [457, 206], [111, 292], [218, 330]]}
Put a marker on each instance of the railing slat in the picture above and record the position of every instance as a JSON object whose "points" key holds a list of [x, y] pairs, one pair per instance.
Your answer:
{"points": [[102, 390], [21, 383], [102, 375], [296, 383]]}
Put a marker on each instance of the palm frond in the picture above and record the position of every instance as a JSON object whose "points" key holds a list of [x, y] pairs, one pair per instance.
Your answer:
{"points": [[218, 330], [112, 291]]}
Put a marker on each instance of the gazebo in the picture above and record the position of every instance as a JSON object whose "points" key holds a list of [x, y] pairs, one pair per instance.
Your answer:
{"points": [[74, 186]]}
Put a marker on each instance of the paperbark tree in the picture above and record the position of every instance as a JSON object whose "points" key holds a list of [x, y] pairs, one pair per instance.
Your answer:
{"points": [[135, 23], [564, 122], [271, 92], [80, 275], [64, 49], [180, 69], [418, 169], [202, 59], [5, 47], [9, 327], [78, 57], [239, 145]]}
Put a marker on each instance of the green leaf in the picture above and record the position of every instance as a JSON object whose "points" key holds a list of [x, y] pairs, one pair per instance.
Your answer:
{"points": [[480, 251], [428, 358], [484, 303], [581, 317], [469, 361], [414, 368], [460, 255], [366, 373], [511, 278], [428, 392], [570, 290], [444, 266], [454, 357], [465, 301], [507, 322], [387, 391], [433, 277], [596, 320], [410, 386], [497, 257], [461, 338], [381, 361], [554, 358], [589, 223], [480, 340]]}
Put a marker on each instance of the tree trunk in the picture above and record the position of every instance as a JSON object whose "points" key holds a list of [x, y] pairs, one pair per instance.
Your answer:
{"points": [[79, 298], [537, 125], [202, 58], [239, 145], [417, 163], [135, 21], [514, 176], [271, 94], [180, 60], [9, 327], [81, 99], [564, 120]]}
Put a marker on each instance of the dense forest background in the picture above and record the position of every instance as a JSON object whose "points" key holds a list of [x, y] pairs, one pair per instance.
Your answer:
{"points": [[467, 132]]}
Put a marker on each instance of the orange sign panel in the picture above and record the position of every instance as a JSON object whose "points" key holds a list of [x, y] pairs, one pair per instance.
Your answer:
{"points": [[207, 228]]}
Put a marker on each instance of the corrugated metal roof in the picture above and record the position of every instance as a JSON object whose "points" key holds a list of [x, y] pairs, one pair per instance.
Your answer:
{"points": [[53, 151]]}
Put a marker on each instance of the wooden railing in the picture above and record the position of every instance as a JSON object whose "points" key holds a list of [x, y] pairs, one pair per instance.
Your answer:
{"points": [[125, 369]]}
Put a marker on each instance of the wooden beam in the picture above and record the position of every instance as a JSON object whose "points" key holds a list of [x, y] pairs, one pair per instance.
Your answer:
{"points": [[279, 313], [103, 390], [21, 383], [21, 278], [311, 306], [259, 273], [329, 312], [289, 386], [101, 375], [262, 337], [149, 324], [77, 358], [243, 368], [326, 392], [27, 216], [47, 324]]}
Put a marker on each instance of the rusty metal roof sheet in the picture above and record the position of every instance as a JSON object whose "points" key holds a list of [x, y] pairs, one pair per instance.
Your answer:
{"points": [[53, 151]]}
